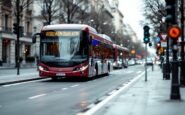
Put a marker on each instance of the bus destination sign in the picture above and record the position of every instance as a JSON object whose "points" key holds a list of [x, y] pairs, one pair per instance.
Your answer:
{"points": [[62, 33]]}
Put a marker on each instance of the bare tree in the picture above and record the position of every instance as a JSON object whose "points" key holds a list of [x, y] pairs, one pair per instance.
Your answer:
{"points": [[101, 21], [154, 12], [83, 15], [50, 10], [66, 11], [72, 9]]}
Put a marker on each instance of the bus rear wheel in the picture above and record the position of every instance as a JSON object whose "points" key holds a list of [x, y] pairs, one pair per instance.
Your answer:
{"points": [[96, 68]]}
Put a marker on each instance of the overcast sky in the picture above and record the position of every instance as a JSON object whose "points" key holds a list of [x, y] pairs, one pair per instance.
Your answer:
{"points": [[132, 11]]}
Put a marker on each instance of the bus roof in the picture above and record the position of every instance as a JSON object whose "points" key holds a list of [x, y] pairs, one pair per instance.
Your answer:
{"points": [[69, 26], [105, 37], [120, 47]]}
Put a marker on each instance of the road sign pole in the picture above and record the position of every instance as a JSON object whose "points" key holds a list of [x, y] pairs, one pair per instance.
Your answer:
{"points": [[182, 67], [173, 33], [145, 62], [166, 66]]}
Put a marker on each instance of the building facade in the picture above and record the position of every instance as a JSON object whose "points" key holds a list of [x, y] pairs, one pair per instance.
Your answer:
{"points": [[8, 38], [32, 21]]}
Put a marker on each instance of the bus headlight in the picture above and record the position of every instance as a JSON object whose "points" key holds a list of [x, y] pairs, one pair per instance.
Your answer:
{"points": [[41, 68], [83, 68], [80, 68]]}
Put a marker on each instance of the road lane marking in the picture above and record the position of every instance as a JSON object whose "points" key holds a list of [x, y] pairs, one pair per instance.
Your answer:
{"points": [[23, 82], [130, 71], [74, 85], [106, 100], [37, 96], [64, 88], [12, 84], [139, 71]]}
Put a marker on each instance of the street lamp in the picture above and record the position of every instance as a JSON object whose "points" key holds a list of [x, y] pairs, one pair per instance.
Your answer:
{"points": [[104, 23], [91, 22]]}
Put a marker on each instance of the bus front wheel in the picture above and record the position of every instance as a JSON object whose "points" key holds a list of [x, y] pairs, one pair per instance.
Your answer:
{"points": [[54, 78]]}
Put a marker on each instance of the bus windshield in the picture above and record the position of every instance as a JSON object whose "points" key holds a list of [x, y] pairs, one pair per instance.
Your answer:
{"points": [[63, 46]]}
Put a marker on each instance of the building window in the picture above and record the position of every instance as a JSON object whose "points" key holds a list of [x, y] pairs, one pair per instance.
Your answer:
{"points": [[28, 27], [6, 22]]}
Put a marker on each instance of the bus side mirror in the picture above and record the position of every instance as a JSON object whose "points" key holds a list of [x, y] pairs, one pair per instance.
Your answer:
{"points": [[90, 39], [35, 36]]}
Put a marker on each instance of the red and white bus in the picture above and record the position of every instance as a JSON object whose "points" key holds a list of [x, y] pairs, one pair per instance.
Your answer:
{"points": [[121, 55], [73, 50]]}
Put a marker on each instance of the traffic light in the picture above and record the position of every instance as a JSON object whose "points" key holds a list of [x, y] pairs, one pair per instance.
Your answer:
{"points": [[15, 28], [171, 12], [150, 44], [146, 38]]}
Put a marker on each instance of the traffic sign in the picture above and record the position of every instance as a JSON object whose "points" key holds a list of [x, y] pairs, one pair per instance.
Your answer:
{"points": [[157, 39], [161, 50], [163, 44], [174, 32], [163, 36]]}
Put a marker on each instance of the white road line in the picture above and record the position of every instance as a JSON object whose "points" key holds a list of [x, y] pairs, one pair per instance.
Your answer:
{"points": [[130, 71], [37, 96], [12, 84], [24, 82], [139, 71], [102, 103], [64, 88], [74, 85]]}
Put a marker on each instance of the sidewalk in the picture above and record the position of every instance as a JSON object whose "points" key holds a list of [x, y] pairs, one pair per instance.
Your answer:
{"points": [[146, 98], [9, 75]]}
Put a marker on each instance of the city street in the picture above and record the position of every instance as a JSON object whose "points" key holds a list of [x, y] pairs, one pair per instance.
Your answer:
{"points": [[92, 57], [64, 97]]}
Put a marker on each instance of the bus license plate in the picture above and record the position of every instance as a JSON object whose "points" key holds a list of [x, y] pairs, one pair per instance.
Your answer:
{"points": [[60, 74]]}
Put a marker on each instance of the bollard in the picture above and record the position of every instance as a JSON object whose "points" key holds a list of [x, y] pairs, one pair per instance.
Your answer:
{"points": [[175, 90], [153, 67], [168, 70], [164, 70], [182, 73]]}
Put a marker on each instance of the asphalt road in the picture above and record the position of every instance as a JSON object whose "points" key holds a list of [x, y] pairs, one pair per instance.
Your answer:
{"points": [[63, 97]]}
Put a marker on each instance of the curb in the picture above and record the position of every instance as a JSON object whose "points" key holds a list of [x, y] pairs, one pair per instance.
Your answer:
{"points": [[20, 81]]}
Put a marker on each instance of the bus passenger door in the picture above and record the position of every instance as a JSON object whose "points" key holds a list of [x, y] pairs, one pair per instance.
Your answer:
{"points": [[91, 58]]}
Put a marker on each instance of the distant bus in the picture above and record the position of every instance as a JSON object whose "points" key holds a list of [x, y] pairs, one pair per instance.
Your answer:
{"points": [[73, 50], [121, 55]]}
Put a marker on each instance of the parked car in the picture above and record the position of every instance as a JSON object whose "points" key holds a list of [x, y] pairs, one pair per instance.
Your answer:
{"points": [[149, 61], [139, 61], [131, 62]]}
